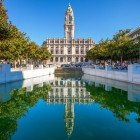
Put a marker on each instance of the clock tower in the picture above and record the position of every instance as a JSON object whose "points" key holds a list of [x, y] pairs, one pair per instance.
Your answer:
{"points": [[69, 23]]}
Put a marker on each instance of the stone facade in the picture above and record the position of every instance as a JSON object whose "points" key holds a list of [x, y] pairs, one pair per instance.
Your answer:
{"points": [[68, 49]]}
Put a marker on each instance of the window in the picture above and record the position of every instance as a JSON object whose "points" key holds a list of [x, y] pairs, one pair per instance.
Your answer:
{"points": [[61, 52], [69, 51], [56, 59], [82, 59], [51, 51], [69, 59], [56, 51], [51, 59], [77, 59], [61, 90], [56, 83], [61, 83], [56, 90], [61, 59], [77, 51], [57, 41]]}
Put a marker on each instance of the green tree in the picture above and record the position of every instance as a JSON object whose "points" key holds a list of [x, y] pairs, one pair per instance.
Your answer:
{"points": [[121, 47], [122, 43], [15, 46]]}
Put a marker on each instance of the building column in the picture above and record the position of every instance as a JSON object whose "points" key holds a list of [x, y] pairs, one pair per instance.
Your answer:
{"points": [[73, 59], [58, 59], [65, 59]]}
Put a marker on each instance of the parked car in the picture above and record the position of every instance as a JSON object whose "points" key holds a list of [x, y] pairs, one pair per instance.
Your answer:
{"points": [[65, 65]]}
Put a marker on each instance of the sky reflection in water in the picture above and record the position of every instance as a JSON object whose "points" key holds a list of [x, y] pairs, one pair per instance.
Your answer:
{"points": [[69, 107]]}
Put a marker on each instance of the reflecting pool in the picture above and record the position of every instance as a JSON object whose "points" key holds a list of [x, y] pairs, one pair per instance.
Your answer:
{"points": [[69, 107]]}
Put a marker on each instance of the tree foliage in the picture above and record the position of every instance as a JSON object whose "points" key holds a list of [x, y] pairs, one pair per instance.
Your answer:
{"points": [[15, 45], [121, 47]]}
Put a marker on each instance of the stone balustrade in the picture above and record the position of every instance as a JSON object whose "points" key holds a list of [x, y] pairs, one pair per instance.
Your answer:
{"points": [[132, 75], [7, 75]]}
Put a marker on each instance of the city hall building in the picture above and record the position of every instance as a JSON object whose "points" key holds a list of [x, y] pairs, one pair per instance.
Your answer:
{"points": [[68, 49]]}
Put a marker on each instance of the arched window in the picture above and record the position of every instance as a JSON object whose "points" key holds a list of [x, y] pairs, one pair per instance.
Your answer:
{"points": [[62, 50], [82, 59], [52, 59], [56, 52], [77, 51], [61, 59], [77, 59], [69, 59], [52, 51], [56, 59]]}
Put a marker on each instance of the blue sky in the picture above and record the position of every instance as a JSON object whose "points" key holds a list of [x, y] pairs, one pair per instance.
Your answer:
{"points": [[97, 19]]}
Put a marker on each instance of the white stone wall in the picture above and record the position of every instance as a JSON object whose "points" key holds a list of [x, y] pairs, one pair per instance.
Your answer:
{"points": [[6, 75], [132, 89], [132, 76]]}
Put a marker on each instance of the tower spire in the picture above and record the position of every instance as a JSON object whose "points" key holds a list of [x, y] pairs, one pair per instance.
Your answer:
{"points": [[69, 23]]}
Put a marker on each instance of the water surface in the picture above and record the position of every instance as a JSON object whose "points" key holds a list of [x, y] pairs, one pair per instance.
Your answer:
{"points": [[69, 107]]}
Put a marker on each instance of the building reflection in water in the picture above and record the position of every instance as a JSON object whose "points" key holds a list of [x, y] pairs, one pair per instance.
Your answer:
{"points": [[68, 92]]}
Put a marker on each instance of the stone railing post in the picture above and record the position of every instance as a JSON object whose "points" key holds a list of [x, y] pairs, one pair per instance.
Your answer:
{"points": [[130, 73], [96, 67], [30, 67], [108, 67], [40, 66], [132, 70]]}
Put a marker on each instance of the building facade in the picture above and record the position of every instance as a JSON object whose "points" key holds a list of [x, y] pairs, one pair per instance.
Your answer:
{"points": [[68, 49], [136, 33]]}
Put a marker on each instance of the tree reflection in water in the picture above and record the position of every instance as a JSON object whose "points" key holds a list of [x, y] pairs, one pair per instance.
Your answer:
{"points": [[115, 100], [16, 108]]}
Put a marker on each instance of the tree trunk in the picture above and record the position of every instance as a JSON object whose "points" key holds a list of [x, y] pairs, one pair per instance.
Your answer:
{"points": [[15, 64]]}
